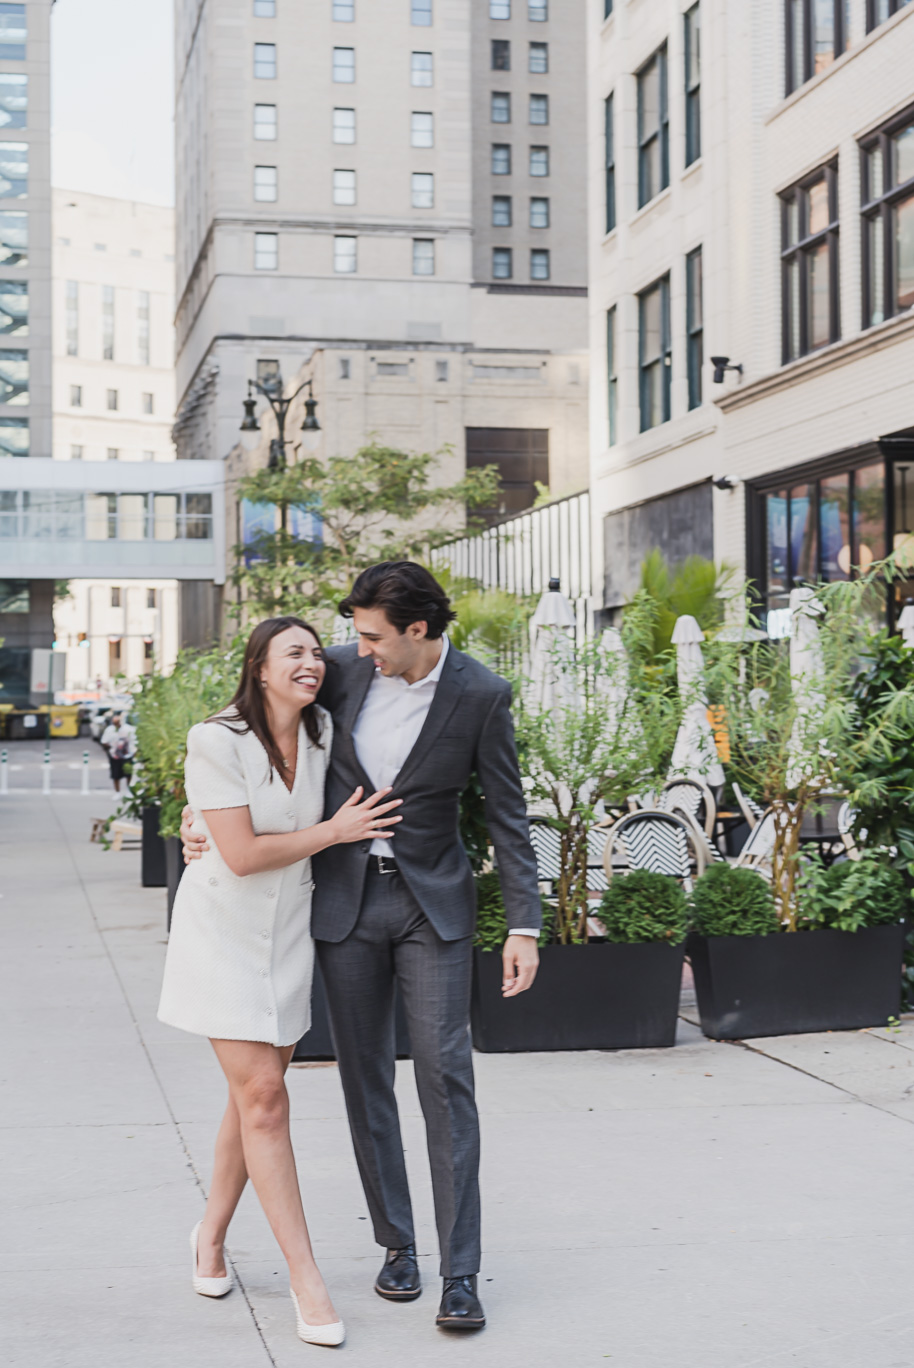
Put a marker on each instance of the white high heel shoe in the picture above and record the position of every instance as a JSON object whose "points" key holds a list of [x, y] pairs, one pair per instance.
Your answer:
{"points": [[207, 1287], [331, 1334]]}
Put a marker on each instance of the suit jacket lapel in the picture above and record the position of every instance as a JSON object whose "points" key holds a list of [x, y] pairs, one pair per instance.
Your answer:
{"points": [[447, 695], [359, 682]]}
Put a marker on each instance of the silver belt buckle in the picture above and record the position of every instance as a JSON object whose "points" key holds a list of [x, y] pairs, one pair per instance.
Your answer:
{"points": [[386, 865]]}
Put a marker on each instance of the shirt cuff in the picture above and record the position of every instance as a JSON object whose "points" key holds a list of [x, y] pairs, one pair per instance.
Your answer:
{"points": [[523, 931]]}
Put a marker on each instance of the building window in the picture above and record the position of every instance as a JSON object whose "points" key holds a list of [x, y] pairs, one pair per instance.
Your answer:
{"points": [[694, 325], [610, 144], [539, 264], [441, 371], [265, 61], [809, 263], [344, 125], [76, 453], [265, 184], [423, 190], [653, 129], [537, 11], [13, 33], [14, 309], [887, 191], [115, 598], [344, 65], [269, 375], [265, 123], [14, 170], [877, 11], [114, 454], [345, 370], [499, 9], [539, 161], [521, 455], [502, 265], [420, 13], [501, 159], [501, 54], [421, 69], [14, 238], [72, 318], [343, 11], [501, 211], [612, 379], [14, 101], [654, 354], [151, 598], [500, 108], [107, 322], [817, 33], [264, 9], [539, 109], [76, 396], [148, 402], [266, 251], [344, 255], [692, 21], [344, 187], [422, 130], [538, 59], [14, 438], [142, 327], [423, 256], [539, 212], [112, 400]]}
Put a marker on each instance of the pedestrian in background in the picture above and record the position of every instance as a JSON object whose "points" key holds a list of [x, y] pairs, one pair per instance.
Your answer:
{"points": [[119, 740]]}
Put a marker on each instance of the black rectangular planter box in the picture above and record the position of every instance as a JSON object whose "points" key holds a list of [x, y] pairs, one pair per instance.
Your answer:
{"points": [[318, 1042], [791, 982], [152, 858], [585, 997]]}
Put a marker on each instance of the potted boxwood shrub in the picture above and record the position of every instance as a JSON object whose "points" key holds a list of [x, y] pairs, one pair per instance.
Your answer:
{"points": [[617, 993], [839, 970]]}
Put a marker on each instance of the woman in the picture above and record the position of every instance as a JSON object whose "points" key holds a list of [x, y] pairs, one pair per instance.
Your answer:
{"points": [[240, 954]]}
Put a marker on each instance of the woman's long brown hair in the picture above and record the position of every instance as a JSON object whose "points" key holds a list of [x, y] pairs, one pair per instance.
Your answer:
{"points": [[249, 705]]}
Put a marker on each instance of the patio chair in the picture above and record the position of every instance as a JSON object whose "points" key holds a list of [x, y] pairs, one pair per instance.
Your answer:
{"points": [[691, 796], [846, 818], [547, 846], [701, 839], [747, 806], [757, 852], [660, 841]]}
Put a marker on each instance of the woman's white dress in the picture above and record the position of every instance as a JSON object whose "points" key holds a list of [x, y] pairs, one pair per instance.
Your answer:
{"points": [[240, 955]]}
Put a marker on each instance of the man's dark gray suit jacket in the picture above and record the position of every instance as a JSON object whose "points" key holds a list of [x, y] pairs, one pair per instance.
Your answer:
{"points": [[468, 728]]}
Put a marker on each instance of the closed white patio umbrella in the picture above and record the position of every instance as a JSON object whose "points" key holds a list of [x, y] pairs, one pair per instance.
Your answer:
{"points": [[906, 623], [694, 754], [806, 669], [552, 627]]}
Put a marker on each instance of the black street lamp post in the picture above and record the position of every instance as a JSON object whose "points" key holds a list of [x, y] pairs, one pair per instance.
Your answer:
{"points": [[280, 406]]}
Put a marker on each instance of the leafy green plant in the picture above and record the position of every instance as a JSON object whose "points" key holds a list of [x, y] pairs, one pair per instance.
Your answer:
{"points": [[852, 895], [696, 587], [732, 902], [644, 906], [491, 918], [884, 789]]}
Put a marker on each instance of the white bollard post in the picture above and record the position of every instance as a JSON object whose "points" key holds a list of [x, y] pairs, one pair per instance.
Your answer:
{"points": [[46, 772], [85, 779], [4, 776]]}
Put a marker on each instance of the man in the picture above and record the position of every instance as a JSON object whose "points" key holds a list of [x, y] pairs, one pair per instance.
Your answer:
{"points": [[412, 712], [119, 740]]}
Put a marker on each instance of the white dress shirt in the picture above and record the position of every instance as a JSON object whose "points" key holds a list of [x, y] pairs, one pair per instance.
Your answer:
{"points": [[387, 728]]}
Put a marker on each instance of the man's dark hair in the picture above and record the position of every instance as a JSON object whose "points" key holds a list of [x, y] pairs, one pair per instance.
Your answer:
{"points": [[405, 592]]}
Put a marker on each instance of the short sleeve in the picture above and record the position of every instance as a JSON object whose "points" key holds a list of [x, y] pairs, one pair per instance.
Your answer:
{"points": [[213, 772]]}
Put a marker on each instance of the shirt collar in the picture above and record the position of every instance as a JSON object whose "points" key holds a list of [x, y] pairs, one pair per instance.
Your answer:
{"points": [[433, 675]]}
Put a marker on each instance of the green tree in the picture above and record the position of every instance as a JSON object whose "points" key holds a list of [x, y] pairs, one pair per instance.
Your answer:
{"points": [[696, 587], [379, 504]]}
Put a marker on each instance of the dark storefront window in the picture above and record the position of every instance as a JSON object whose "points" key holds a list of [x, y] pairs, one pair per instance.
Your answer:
{"points": [[522, 458]]}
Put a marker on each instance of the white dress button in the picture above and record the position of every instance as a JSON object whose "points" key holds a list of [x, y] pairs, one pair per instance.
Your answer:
{"points": [[213, 882], [271, 892], [264, 973], [265, 934], [269, 1011]]}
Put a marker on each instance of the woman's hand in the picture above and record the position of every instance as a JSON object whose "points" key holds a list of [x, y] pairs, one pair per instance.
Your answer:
{"points": [[364, 820], [192, 842]]}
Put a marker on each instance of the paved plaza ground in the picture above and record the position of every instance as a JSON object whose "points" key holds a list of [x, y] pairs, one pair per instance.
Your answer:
{"points": [[710, 1206]]}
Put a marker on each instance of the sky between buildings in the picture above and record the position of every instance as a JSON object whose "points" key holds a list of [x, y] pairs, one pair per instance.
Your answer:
{"points": [[112, 98]]}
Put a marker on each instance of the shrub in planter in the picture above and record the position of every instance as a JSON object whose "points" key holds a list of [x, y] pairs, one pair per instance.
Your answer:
{"points": [[642, 907], [854, 894], [614, 995], [732, 902]]}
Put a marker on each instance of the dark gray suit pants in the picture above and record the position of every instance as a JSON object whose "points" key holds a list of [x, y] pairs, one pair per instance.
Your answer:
{"points": [[393, 942]]}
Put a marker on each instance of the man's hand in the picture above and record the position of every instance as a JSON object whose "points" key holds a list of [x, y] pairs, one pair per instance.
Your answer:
{"points": [[520, 958], [193, 844]]}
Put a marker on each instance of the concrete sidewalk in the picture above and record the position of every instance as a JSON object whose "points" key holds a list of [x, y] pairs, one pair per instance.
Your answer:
{"points": [[712, 1206]]}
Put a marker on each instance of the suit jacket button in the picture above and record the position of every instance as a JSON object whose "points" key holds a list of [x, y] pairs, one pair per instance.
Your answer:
{"points": [[366, 845]]}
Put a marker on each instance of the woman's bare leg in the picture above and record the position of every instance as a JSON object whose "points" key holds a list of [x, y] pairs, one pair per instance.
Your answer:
{"points": [[230, 1176], [255, 1077]]}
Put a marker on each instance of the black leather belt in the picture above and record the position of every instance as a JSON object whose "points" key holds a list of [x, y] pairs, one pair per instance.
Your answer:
{"points": [[384, 864]]}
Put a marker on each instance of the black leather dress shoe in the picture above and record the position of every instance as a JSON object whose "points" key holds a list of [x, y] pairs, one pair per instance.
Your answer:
{"points": [[460, 1307], [399, 1279]]}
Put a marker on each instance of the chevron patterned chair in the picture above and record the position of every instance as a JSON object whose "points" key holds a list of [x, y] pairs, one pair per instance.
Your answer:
{"points": [[547, 846], [691, 796], [663, 842]]}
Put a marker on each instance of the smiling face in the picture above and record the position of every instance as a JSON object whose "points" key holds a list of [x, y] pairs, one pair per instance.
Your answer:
{"points": [[394, 653], [294, 668]]}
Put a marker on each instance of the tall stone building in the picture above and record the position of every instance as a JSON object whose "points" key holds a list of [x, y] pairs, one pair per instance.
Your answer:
{"points": [[752, 200], [390, 199]]}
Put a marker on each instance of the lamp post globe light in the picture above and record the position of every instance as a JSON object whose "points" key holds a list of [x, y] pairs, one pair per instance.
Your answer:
{"points": [[250, 428]]}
